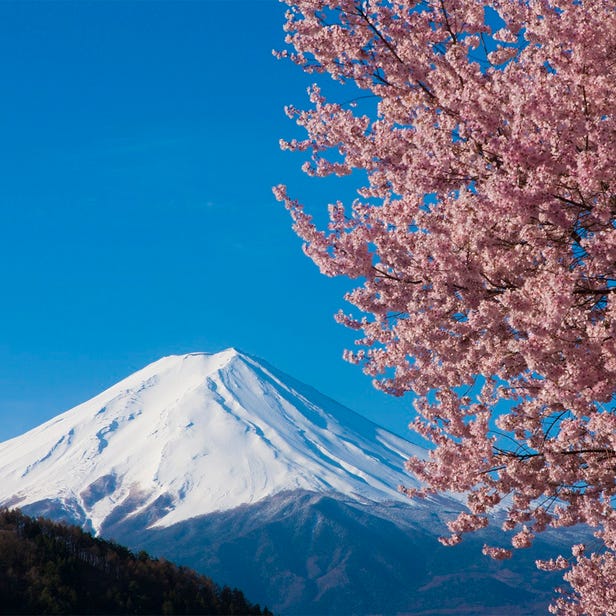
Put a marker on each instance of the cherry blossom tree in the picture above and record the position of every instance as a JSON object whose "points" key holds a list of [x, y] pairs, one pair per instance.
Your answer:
{"points": [[483, 242]]}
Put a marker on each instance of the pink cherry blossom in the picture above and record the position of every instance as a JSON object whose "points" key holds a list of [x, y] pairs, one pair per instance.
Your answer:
{"points": [[483, 245]]}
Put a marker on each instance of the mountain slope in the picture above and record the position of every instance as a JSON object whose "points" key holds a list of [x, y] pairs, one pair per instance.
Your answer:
{"points": [[190, 435], [306, 553]]}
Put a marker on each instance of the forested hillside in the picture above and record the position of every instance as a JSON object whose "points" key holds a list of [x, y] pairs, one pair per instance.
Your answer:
{"points": [[49, 568]]}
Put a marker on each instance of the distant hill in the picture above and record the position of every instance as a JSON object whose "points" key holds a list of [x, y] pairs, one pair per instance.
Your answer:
{"points": [[51, 568]]}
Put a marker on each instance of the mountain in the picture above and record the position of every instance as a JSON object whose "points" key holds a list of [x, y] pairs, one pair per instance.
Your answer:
{"points": [[222, 463], [193, 434]]}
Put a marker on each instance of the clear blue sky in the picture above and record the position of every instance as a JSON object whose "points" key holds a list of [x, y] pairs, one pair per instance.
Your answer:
{"points": [[138, 148]]}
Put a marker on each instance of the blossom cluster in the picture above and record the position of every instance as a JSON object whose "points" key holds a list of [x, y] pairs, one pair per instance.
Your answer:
{"points": [[484, 245]]}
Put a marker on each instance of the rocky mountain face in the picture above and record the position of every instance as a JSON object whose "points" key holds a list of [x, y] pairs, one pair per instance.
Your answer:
{"points": [[221, 463], [308, 553]]}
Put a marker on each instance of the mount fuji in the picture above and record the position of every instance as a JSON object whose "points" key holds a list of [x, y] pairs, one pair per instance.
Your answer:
{"points": [[193, 434], [222, 463]]}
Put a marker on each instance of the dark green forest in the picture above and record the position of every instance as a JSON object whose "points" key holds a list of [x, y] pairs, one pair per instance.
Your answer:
{"points": [[51, 568]]}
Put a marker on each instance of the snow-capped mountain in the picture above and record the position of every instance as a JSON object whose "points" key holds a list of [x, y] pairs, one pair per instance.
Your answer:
{"points": [[194, 434], [224, 464]]}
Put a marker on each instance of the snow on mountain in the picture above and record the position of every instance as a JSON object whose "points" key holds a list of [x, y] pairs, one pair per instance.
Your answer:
{"points": [[193, 434]]}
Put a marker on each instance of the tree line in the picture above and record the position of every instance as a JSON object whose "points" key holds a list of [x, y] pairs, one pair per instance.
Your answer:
{"points": [[52, 568]]}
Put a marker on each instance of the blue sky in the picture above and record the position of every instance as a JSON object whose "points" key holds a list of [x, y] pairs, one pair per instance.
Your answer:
{"points": [[139, 145]]}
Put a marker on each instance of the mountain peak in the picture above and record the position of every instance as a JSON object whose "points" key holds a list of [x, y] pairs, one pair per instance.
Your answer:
{"points": [[196, 433], [224, 356], [207, 361]]}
